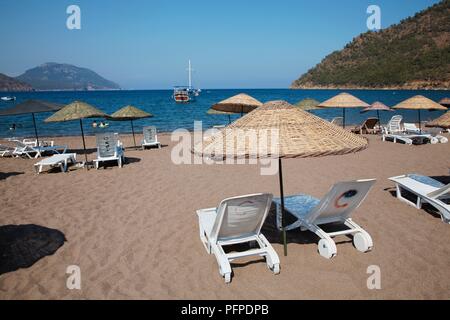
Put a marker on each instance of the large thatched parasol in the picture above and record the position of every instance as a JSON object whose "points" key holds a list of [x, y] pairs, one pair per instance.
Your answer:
{"points": [[308, 104], [419, 103], [343, 100], [32, 106], [377, 106], [300, 134], [445, 102], [441, 122], [77, 111], [241, 103], [130, 113]]}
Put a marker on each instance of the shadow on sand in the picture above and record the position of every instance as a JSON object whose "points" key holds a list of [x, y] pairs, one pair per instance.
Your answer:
{"points": [[6, 175]]}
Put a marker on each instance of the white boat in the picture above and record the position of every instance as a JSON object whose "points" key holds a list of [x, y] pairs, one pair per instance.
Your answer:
{"points": [[186, 94], [8, 98]]}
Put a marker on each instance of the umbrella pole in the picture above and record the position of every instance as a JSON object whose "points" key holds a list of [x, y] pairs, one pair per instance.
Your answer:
{"points": [[84, 144], [379, 119], [280, 175], [420, 123], [229, 119], [343, 118], [132, 130], [35, 130]]}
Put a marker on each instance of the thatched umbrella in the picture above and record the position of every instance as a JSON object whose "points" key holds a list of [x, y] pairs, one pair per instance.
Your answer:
{"points": [[32, 106], [377, 106], [445, 102], [130, 113], [441, 122], [343, 100], [241, 103], [308, 104], [77, 111], [300, 135], [419, 103]]}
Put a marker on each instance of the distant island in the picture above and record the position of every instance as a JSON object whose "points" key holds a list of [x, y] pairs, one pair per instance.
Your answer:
{"points": [[11, 84], [414, 54], [56, 76]]}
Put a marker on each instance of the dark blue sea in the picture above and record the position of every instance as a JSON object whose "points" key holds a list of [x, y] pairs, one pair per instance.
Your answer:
{"points": [[169, 116]]}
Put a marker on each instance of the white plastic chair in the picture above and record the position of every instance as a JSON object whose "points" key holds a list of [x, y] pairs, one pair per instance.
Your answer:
{"points": [[335, 207], [150, 138], [237, 220], [109, 148]]}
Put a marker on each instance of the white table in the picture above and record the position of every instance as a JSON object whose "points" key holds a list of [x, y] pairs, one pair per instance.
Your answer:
{"points": [[57, 160]]}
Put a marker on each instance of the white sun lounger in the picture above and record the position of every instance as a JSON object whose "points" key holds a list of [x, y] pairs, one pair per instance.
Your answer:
{"points": [[394, 125], [28, 150], [237, 220], [411, 128], [408, 138], [426, 190], [109, 148], [336, 207], [339, 121], [150, 138], [43, 143], [6, 151], [57, 160]]}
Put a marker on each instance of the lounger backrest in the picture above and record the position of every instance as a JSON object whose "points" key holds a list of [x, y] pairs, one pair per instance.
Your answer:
{"points": [[339, 121], [340, 201], [444, 191], [106, 144], [241, 216], [20, 144], [370, 123], [394, 124], [150, 134]]}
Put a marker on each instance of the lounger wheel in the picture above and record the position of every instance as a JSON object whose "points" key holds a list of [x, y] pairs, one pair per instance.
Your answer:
{"points": [[362, 241], [225, 275], [276, 268], [327, 248]]}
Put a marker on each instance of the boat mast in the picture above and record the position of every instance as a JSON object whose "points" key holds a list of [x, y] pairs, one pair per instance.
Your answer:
{"points": [[190, 76]]}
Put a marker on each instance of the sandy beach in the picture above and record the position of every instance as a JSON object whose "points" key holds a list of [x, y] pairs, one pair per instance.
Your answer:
{"points": [[134, 231]]}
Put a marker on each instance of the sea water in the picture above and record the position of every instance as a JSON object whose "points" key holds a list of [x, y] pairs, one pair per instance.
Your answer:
{"points": [[168, 115]]}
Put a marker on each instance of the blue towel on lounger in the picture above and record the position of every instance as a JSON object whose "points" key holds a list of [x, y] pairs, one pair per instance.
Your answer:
{"points": [[426, 180], [300, 204]]}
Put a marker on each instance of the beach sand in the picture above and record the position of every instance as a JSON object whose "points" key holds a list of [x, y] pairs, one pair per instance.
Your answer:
{"points": [[134, 231]]}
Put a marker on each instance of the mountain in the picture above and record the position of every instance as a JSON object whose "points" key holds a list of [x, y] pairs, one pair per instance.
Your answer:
{"points": [[11, 84], [55, 76], [414, 54]]}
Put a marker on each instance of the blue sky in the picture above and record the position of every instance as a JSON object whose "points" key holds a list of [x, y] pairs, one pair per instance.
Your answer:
{"points": [[145, 44]]}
